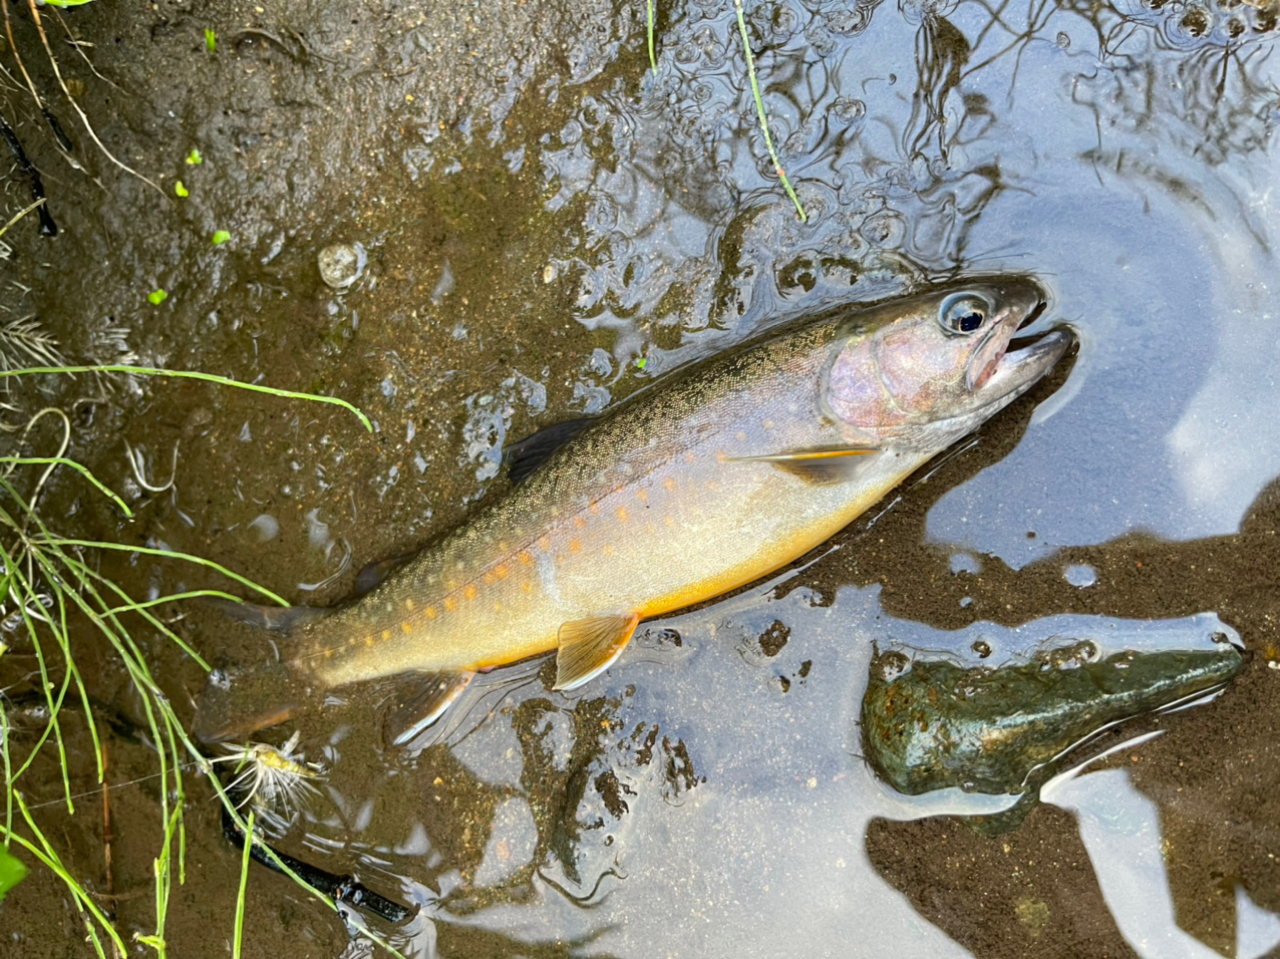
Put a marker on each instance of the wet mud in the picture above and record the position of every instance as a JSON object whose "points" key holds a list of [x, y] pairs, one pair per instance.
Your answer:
{"points": [[548, 226]]}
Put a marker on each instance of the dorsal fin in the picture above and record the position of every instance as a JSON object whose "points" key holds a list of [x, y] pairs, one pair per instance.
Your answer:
{"points": [[526, 455], [277, 619], [373, 574], [819, 467]]}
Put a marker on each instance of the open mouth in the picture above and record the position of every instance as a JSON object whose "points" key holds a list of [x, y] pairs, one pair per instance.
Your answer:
{"points": [[1035, 354]]}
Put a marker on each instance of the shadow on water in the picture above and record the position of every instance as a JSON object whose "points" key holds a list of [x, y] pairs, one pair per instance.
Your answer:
{"points": [[549, 226]]}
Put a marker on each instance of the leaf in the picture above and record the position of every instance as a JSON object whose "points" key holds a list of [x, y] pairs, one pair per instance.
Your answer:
{"points": [[194, 158], [210, 40], [179, 189], [156, 297], [12, 871], [221, 236]]}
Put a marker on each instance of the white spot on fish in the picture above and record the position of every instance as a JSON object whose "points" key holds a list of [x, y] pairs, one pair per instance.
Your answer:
{"points": [[547, 574]]}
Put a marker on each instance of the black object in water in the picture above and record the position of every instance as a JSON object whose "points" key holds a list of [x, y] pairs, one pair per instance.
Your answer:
{"points": [[343, 889]]}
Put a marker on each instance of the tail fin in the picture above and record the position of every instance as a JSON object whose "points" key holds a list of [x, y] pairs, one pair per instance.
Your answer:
{"points": [[242, 698]]}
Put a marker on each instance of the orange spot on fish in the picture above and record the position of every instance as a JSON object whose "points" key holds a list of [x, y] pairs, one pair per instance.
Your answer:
{"points": [[408, 604], [386, 634], [502, 572], [497, 607], [579, 521], [405, 627], [544, 543], [668, 520], [741, 434], [450, 604], [526, 585], [668, 484], [489, 578], [688, 457], [642, 495], [431, 612], [328, 654], [575, 545], [608, 549], [621, 514], [469, 591], [768, 424], [524, 557], [368, 640]]}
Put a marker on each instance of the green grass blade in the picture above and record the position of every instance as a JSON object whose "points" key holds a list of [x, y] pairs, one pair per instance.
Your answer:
{"points": [[50, 540], [764, 123], [193, 375], [82, 470], [244, 882], [653, 60]]}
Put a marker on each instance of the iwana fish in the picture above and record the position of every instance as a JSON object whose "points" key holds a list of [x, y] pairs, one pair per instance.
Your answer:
{"points": [[709, 480]]}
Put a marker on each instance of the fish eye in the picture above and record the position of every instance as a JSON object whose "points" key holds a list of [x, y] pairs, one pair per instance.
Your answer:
{"points": [[963, 313]]}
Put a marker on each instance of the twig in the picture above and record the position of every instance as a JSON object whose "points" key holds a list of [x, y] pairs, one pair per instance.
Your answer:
{"points": [[47, 226], [106, 825], [35, 16]]}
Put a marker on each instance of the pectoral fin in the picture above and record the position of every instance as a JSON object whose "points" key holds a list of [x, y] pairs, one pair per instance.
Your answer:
{"points": [[813, 466], [419, 701], [589, 646]]}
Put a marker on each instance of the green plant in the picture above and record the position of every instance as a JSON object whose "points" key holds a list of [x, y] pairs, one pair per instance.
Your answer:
{"points": [[50, 587]]}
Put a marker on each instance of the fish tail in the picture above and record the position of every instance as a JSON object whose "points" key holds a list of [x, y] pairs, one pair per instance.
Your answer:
{"points": [[264, 688]]}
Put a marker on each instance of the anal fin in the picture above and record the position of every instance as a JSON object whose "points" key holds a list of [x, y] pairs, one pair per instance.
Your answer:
{"points": [[589, 646], [420, 700], [819, 466]]}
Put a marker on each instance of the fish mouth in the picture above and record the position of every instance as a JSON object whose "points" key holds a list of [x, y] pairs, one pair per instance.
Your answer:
{"points": [[1026, 360]]}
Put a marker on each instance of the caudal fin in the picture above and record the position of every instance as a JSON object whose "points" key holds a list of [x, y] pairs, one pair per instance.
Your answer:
{"points": [[241, 698]]}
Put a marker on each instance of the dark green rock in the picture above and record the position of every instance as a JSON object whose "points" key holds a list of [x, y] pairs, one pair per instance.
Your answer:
{"points": [[932, 724]]}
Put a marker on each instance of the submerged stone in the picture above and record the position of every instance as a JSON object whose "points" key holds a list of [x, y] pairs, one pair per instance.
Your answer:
{"points": [[934, 724]]}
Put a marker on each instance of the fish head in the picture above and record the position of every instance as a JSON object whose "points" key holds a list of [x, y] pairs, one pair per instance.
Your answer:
{"points": [[921, 373]]}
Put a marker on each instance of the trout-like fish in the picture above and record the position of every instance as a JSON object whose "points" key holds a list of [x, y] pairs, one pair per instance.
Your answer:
{"points": [[703, 483]]}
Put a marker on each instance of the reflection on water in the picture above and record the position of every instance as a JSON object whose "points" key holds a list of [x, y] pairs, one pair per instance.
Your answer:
{"points": [[1130, 862]]}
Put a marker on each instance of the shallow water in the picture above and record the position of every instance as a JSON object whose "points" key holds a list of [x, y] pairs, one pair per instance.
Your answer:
{"points": [[549, 226]]}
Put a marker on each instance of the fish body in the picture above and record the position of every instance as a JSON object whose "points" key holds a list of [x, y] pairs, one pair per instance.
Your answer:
{"points": [[707, 482]]}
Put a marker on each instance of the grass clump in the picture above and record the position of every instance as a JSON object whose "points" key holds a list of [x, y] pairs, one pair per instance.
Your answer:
{"points": [[51, 590]]}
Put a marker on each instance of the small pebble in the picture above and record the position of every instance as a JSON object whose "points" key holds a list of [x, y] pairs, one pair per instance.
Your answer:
{"points": [[341, 264]]}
